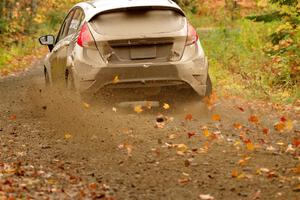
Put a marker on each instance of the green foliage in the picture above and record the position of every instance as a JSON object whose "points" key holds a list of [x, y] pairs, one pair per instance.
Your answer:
{"points": [[285, 2], [238, 60], [284, 45], [23, 21], [188, 5]]}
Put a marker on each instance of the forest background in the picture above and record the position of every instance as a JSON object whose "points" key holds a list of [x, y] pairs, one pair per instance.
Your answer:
{"points": [[253, 45]]}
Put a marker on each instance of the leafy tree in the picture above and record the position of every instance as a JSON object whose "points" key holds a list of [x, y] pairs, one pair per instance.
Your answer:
{"points": [[284, 46]]}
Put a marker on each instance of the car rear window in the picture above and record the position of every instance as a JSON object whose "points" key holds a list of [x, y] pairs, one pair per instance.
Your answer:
{"points": [[138, 21]]}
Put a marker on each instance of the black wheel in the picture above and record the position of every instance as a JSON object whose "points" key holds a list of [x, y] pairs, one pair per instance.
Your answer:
{"points": [[208, 86], [46, 75], [70, 85]]}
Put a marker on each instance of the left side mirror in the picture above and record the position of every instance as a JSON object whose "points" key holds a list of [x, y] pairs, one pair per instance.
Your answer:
{"points": [[48, 40]]}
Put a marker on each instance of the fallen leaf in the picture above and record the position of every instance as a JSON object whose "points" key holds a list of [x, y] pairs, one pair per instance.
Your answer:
{"points": [[182, 148], [289, 125], [237, 126], [166, 106], [216, 117], [280, 143], [242, 175], [266, 131], [243, 161], [68, 136], [296, 142], [138, 109], [265, 170], [206, 133], [191, 134], [234, 173], [270, 148], [250, 146], [172, 136], [282, 119], [279, 126], [189, 117], [86, 105], [185, 174], [183, 180], [93, 186], [206, 197], [271, 174], [241, 109], [210, 101], [13, 117], [116, 80], [254, 119]]}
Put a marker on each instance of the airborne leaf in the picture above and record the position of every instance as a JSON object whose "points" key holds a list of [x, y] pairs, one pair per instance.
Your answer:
{"points": [[216, 117], [254, 119], [166, 106], [138, 109], [116, 80], [189, 117]]}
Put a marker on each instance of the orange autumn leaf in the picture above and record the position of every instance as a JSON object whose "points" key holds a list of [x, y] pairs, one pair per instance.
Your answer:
{"points": [[243, 161], [13, 117], [206, 133], [234, 173], [189, 117], [183, 180], [296, 142], [216, 117], [253, 119], [93, 186], [279, 126], [116, 80], [282, 119], [138, 109], [191, 134], [250, 146], [237, 126], [266, 131], [211, 100]]}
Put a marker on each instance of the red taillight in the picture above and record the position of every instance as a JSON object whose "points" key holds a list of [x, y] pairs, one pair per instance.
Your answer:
{"points": [[192, 37], [84, 36]]}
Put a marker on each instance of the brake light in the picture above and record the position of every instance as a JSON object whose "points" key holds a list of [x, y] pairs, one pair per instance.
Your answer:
{"points": [[84, 36], [192, 37]]}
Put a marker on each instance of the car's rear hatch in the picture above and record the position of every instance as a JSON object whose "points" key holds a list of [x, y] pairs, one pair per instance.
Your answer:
{"points": [[140, 34]]}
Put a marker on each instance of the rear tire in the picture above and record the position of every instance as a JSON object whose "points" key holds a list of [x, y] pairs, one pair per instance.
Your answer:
{"points": [[208, 91], [70, 85], [47, 78]]}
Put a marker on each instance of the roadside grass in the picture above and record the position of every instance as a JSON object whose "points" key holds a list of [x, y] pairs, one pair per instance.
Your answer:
{"points": [[238, 64]]}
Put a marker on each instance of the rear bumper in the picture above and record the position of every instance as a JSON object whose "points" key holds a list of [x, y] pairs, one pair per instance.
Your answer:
{"points": [[191, 73]]}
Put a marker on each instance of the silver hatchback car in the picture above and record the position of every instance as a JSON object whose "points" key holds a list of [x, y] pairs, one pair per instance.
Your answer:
{"points": [[127, 44]]}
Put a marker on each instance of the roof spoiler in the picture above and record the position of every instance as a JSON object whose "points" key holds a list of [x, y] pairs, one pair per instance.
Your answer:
{"points": [[138, 8]]}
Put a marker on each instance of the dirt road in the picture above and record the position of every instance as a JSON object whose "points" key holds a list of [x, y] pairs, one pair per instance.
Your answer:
{"points": [[55, 146]]}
